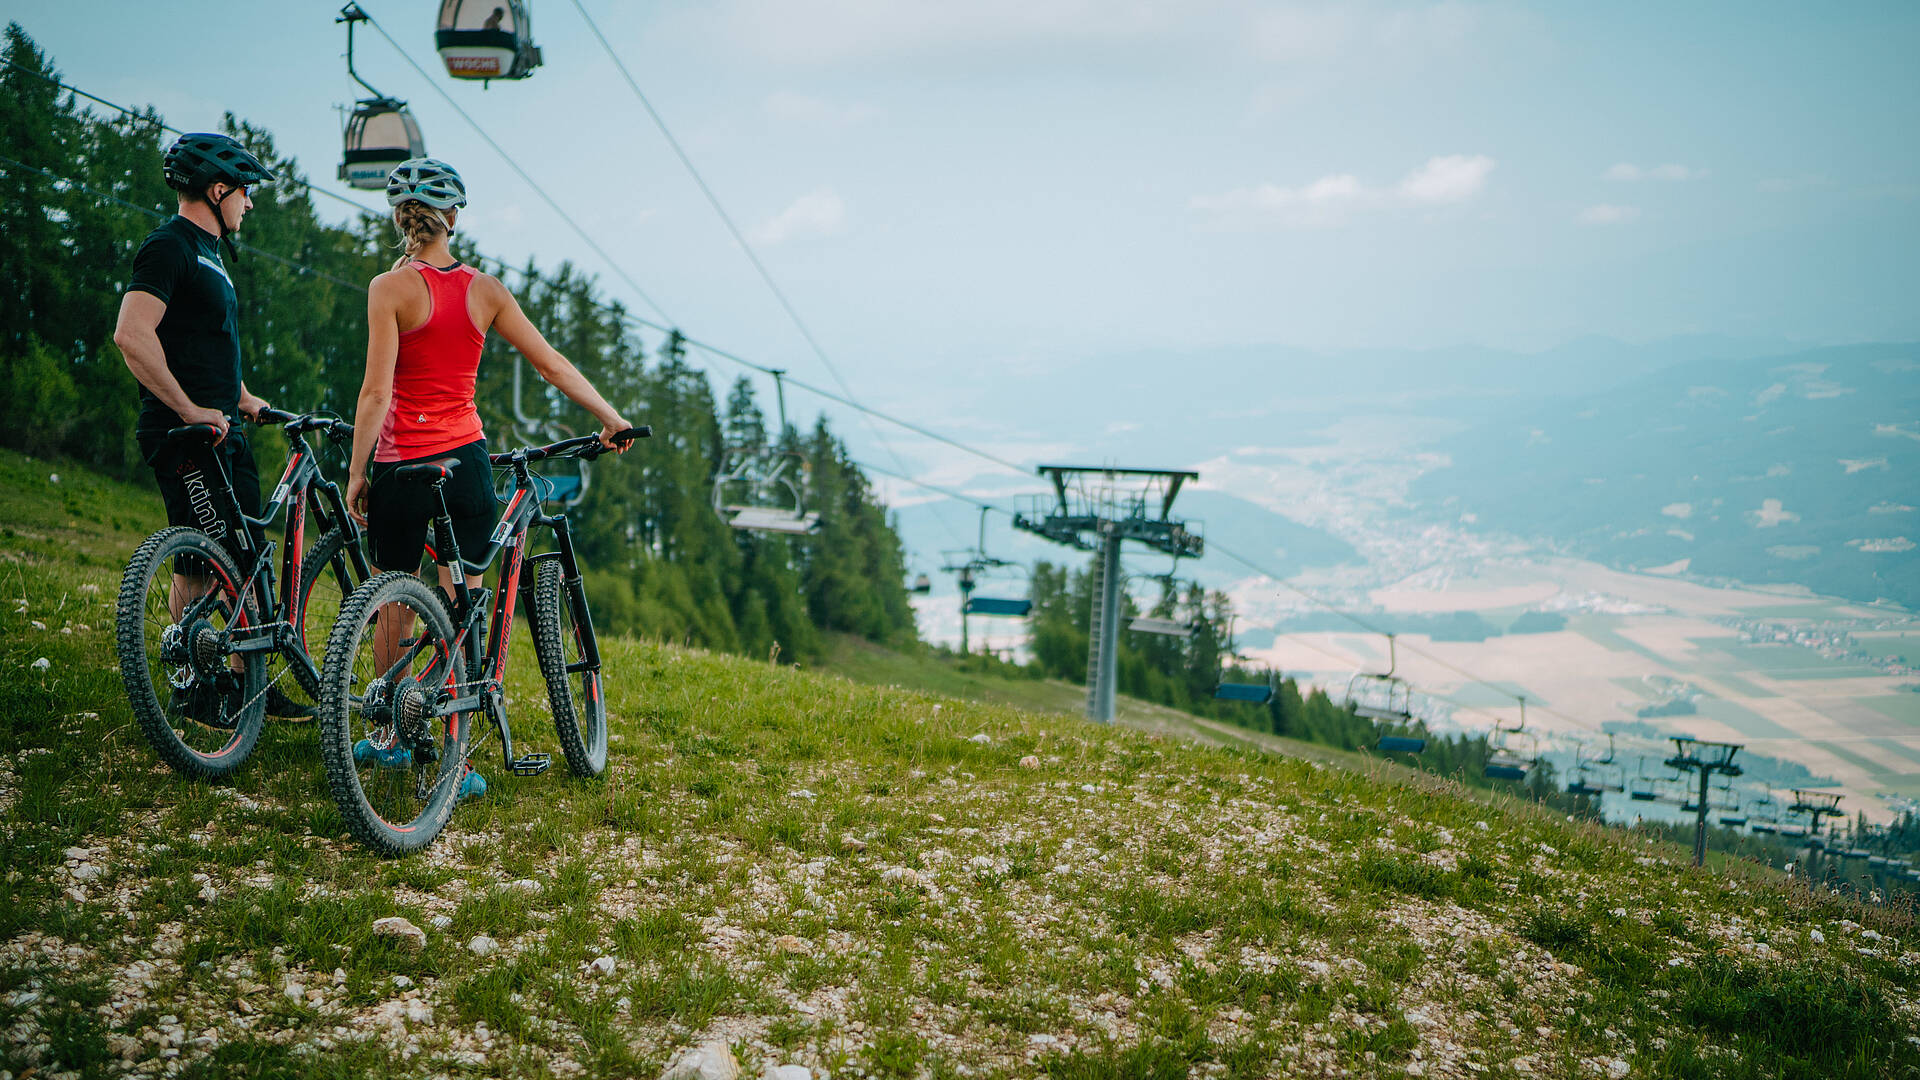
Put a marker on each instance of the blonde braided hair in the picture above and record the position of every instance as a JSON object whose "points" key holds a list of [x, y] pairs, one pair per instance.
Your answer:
{"points": [[418, 225]]}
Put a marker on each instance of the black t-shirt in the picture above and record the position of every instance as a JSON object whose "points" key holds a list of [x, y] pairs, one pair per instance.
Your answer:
{"points": [[180, 263]]}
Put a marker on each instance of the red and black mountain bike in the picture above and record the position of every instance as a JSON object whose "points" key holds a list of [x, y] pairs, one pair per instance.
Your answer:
{"points": [[406, 672], [199, 617]]}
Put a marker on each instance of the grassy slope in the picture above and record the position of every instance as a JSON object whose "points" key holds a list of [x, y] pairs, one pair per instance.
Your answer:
{"points": [[857, 878]]}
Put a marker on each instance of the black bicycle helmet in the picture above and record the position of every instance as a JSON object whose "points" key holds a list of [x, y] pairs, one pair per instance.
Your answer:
{"points": [[427, 180], [200, 158]]}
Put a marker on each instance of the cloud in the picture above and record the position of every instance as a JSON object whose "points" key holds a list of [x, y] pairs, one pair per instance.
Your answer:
{"points": [[1607, 214], [1626, 171], [788, 107], [1451, 179], [817, 213], [1330, 200]]}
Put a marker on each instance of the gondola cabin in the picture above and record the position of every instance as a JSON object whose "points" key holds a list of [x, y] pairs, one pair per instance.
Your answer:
{"points": [[486, 39], [380, 134], [922, 585]]}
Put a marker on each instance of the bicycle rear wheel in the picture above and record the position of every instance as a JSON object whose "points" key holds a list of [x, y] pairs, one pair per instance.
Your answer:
{"points": [[393, 767], [200, 704], [559, 642]]}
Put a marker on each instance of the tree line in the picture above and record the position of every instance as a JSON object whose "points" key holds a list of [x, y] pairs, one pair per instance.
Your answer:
{"points": [[662, 561]]}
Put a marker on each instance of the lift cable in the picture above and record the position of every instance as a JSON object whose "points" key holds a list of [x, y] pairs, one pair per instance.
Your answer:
{"points": [[766, 276]]}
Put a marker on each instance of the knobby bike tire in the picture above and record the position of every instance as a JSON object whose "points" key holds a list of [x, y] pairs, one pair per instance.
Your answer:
{"points": [[339, 732], [138, 660], [579, 715]]}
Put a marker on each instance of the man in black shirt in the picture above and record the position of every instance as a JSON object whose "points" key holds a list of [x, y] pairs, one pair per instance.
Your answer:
{"points": [[179, 332]]}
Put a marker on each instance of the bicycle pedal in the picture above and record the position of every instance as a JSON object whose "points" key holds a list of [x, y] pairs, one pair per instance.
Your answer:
{"points": [[532, 764]]}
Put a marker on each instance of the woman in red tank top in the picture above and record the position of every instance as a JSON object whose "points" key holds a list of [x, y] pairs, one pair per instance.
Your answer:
{"points": [[427, 319]]}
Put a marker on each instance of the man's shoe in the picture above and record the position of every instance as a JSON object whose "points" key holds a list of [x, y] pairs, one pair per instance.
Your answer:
{"points": [[216, 706], [284, 707]]}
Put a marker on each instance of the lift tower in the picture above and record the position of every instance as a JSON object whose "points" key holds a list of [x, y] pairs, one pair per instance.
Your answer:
{"points": [[1706, 758], [1097, 508]]}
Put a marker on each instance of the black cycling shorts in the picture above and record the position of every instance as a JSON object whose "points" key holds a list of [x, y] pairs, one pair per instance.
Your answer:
{"points": [[190, 488], [400, 512]]}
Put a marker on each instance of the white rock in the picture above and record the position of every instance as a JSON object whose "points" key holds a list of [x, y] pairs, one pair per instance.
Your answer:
{"points": [[78, 854], [482, 945], [982, 738], [1817, 937], [786, 1072], [524, 885], [601, 966], [441, 922], [1029, 762], [87, 871], [401, 982], [1618, 1067], [295, 992], [41, 664], [801, 793], [1870, 935], [708, 1061], [401, 930]]}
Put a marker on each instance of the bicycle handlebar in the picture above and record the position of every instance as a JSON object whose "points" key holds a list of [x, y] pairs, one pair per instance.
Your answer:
{"points": [[295, 424], [580, 446]]}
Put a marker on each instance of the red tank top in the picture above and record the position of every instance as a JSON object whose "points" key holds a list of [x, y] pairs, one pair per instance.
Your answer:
{"points": [[432, 409]]}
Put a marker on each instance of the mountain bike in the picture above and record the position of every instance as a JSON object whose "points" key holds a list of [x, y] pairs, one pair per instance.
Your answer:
{"points": [[195, 666], [396, 712]]}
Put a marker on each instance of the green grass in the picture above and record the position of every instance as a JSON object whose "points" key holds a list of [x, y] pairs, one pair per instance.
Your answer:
{"points": [[844, 876]]}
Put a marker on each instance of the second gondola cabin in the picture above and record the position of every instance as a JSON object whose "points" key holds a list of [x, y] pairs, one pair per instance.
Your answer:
{"points": [[380, 134], [486, 39]]}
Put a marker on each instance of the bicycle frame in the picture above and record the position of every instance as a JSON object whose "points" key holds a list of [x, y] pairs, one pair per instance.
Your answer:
{"points": [[509, 539], [301, 489]]}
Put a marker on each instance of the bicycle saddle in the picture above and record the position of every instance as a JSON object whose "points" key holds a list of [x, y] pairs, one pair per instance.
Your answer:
{"points": [[435, 472]]}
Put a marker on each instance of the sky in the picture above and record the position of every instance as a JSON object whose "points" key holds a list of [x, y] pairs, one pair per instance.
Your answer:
{"points": [[960, 197]]}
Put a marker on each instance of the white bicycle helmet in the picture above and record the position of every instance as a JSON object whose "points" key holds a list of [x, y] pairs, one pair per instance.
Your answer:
{"points": [[427, 180]]}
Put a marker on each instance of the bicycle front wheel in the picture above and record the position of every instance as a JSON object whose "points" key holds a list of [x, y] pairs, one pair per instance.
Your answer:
{"points": [[199, 703], [559, 642], [326, 580], [393, 765]]}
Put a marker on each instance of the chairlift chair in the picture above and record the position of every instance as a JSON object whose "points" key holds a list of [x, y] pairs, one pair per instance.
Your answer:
{"points": [[380, 132], [761, 489], [1504, 762], [1259, 693], [1252, 693], [1011, 607], [567, 490], [1385, 698], [1153, 624], [486, 39]]}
